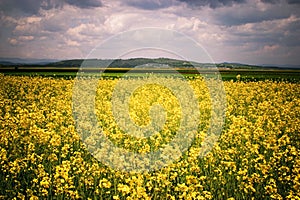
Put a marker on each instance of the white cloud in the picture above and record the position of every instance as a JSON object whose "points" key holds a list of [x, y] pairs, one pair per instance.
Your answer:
{"points": [[13, 41], [116, 23], [26, 38], [72, 43], [27, 25]]}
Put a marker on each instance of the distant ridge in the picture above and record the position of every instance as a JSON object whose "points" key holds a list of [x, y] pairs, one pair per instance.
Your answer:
{"points": [[131, 63], [24, 61], [281, 66]]}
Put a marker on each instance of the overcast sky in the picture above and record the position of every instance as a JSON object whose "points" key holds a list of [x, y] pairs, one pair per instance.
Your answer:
{"points": [[246, 31]]}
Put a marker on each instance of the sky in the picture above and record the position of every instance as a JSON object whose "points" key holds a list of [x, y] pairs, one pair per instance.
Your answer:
{"points": [[244, 31]]}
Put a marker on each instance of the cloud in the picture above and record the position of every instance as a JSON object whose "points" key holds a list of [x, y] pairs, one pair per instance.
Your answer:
{"points": [[85, 3], [32, 7], [225, 3], [212, 3], [13, 41], [28, 25], [72, 43], [149, 4], [250, 31], [26, 38], [16, 6], [270, 1], [252, 12], [293, 1], [277, 1]]}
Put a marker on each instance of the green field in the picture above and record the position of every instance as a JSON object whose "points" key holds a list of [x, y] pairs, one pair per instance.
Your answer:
{"points": [[243, 74]]}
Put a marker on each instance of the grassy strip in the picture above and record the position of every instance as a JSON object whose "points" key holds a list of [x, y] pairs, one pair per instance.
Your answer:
{"points": [[245, 75]]}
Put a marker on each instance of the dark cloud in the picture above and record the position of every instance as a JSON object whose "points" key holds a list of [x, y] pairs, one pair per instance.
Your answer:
{"points": [[292, 34], [293, 1], [149, 4], [33, 6], [270, 1], [252, 14], [222, 3], [246, 16], [56, 24], [212, 3], [24, 6], [256, 38], [284, 33], [85, 3], [278, 1]]}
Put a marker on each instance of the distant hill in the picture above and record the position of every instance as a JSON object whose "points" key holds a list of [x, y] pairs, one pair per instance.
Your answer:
{"points": [[24, 61], [237, 66], [120, 63], [67, 63], [6, 63], [130, 63], [150, 62], [281, 66]]}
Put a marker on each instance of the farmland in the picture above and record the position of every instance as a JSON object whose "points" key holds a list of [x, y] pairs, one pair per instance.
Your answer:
{"points": [[227, 75], [257, 155], [139, 66]]}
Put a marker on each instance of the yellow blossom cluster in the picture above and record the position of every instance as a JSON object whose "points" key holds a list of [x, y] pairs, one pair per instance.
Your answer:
{"points": [[42, 155]]}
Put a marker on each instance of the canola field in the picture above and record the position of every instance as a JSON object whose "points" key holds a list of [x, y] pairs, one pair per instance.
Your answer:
{"points": [[257, 156]]}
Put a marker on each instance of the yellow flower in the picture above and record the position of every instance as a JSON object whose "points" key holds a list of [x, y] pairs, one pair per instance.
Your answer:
{"points": [[104, 183], [33, 198], [41, 148], [123, 188]]}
